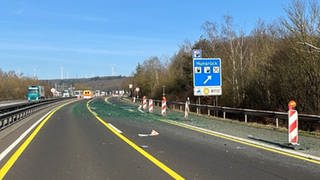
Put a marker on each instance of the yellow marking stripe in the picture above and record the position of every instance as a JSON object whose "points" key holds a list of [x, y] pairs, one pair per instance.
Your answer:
{"points": [[162, 166], [242, 142], [4, 170]]}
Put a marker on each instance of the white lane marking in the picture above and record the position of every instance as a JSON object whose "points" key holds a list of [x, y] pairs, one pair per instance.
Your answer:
{"points": [[119, 131], [23, 135], [139, 109], [153, 133]]}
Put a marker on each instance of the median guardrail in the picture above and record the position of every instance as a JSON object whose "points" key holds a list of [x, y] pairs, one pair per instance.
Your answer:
{"points": [[12, 113]]}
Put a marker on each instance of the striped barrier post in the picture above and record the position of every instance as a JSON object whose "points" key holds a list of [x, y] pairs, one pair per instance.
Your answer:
{"points": [[186, 108], [164, 106], [293, 123], [150, 105], [144, 103]]}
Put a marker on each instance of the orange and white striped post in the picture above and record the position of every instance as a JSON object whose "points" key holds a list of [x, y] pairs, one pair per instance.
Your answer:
{"points": [[144, 103], [293, 123], [164, 106], [150, 105]]}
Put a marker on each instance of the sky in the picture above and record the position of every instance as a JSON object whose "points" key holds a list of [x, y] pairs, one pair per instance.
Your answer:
{"points": [[82, 39]]}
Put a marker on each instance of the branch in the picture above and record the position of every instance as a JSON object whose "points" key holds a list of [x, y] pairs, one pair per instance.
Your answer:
{"points": [[310, 45]]}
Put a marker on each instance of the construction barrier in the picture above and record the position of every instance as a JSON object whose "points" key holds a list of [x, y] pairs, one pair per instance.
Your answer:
{"points": [[186, 108], [164, 106], [144, 103], [150, 105], [293, 123]]}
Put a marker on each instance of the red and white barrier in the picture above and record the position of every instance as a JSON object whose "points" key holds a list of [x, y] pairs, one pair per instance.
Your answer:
{"points": [[164, 106], [293, 123], [293, 127], [144, 103], [150, 105]]}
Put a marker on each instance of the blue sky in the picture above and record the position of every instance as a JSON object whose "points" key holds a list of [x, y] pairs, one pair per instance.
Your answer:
{"points": [[102, 38]]}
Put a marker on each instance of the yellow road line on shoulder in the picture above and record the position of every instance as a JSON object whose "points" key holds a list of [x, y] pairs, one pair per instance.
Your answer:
{"points": [[220, 135], [238, 140], [154, 160], [4, 170]]}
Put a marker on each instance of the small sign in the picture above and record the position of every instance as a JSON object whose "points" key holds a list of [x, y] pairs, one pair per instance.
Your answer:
{"points": [[196, 53]]}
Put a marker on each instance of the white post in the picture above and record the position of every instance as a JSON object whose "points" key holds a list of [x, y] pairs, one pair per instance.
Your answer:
{"points": [[186, 109]]}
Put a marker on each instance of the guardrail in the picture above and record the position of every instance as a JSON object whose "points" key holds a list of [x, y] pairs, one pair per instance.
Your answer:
{"points": [[278, 119], [12, 113]]}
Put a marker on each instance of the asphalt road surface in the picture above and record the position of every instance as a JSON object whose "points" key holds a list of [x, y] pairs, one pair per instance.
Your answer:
{"points": [[74, 144]]}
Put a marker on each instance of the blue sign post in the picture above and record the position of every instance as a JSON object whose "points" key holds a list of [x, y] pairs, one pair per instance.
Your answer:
{"points": [[207, 79]]}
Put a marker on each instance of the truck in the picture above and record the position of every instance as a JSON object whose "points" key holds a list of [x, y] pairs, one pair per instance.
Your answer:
{"points": [[66, 93], [35, 93]]}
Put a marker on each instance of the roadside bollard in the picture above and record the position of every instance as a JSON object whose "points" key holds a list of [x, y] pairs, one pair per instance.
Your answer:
{"points": [[187, 109], [144, 103], [150, 105], [164, 106], [293, 123]]}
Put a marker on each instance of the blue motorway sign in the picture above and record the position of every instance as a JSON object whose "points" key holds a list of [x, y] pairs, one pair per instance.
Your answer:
{"points": [[207, 79]]}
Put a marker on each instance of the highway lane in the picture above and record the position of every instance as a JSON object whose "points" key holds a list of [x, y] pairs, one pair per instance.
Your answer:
{"points": [[75, 145], [11, 133], [200, 156]]}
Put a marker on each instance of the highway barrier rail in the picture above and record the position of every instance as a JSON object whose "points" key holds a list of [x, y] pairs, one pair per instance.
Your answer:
{"points": [[278, 119], [11, 114]]}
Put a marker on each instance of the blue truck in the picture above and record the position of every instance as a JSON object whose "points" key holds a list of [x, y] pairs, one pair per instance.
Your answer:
{"points": [[35, 93]]}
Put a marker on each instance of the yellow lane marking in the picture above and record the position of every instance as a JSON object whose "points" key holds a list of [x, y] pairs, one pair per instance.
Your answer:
{"points": [[154, 160], [220, 135], [4, 170], [212, 133]]}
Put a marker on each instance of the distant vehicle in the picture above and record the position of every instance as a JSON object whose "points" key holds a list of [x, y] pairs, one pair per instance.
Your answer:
{"points": [[97, 93], [87, 94], [35, 93], [78, 93], [66, 93]]}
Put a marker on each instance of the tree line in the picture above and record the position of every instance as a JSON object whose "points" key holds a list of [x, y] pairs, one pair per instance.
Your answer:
{"points": [[14, 85], [264, 69]]}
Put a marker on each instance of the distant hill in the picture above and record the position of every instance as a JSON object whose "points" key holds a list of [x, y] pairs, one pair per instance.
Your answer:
{"points": [[104, 83]]}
